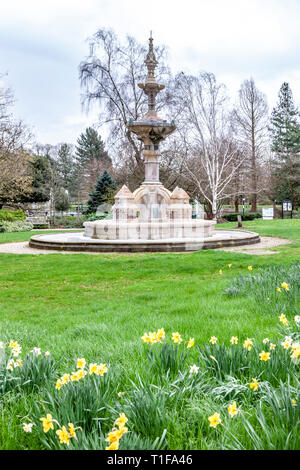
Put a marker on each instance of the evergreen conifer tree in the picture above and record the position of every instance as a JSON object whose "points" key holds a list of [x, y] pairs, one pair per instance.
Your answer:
{"points": [[285, 133], [103, 192], [89, 147]]}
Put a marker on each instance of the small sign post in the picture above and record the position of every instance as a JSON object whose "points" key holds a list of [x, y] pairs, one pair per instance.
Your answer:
{"points": [[287, 206], [267, 213]]}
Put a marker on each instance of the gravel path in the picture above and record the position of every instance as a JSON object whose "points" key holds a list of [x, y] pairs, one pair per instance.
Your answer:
{"points": [[22, 248], [261, 248]]}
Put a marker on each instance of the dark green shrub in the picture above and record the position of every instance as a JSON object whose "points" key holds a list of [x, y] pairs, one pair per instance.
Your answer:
{"points": [[93, 217], [247, 216], [69, 221]]}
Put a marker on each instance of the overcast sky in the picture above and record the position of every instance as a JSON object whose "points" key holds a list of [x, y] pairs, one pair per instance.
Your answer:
{"points": [[43, 42]]}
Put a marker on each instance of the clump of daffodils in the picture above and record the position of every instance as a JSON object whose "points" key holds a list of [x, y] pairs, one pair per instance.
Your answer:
{"points": [[154, 337], [64, 433], [287, 343], [12, 364], [117, 432], [16, 349], [295, 355], [94, 368]]}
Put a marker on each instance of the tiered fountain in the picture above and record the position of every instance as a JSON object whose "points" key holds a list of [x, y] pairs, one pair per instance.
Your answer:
{"points": [[151, 218]]}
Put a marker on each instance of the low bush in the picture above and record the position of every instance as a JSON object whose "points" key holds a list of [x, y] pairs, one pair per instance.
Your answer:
{"points": [[16, 226], [247, 216], [11, 216], [69, 221], [93, 217]]}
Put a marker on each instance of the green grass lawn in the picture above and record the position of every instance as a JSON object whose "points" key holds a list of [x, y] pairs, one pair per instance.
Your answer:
{"points": [[24, 236], [99, 306]]}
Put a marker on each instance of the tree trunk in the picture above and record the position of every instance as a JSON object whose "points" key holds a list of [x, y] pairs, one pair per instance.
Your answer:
{"points": [[253, 167], [236, 204], [214, 208]]}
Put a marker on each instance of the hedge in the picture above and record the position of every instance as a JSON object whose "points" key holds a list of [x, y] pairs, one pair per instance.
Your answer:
{"points": [[247, 216]]}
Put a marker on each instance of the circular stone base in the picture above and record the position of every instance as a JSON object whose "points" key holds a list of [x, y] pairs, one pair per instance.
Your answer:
{"points": [[78, 242]]}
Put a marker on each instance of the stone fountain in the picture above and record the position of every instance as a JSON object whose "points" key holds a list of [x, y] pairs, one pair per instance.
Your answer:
{"points": [[151, 218], [151, 212]]}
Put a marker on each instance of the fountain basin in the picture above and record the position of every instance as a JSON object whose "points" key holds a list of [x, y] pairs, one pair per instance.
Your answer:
{"points": [[78, 241]]}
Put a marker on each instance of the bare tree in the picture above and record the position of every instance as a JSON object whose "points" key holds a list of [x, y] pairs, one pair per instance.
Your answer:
{"points": [[212, 157], [15, 180], [250, 120], [109, 77]]}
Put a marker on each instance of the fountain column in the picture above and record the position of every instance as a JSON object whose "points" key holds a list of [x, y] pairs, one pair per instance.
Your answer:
{"points": [[151, 164]]}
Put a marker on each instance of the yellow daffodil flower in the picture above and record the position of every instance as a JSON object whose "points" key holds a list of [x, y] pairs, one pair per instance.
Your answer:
{"points": [[93, 368], [248, 344], [176, 338], [213, 340], [113, 446], [161, 334], [81, 363], [234, 340], [283, 319], [265, 356], [72, 430], [214, 420], [113, 436], [65, 379], [233, 410], [58, 384], [191, 343], [121, 420], [47, 422], [285, 286], [254, 385], [64, 436], [295, 352]]}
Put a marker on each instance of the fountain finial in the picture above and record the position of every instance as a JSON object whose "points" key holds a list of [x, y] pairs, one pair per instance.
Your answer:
{"points": [[151, 61]]}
